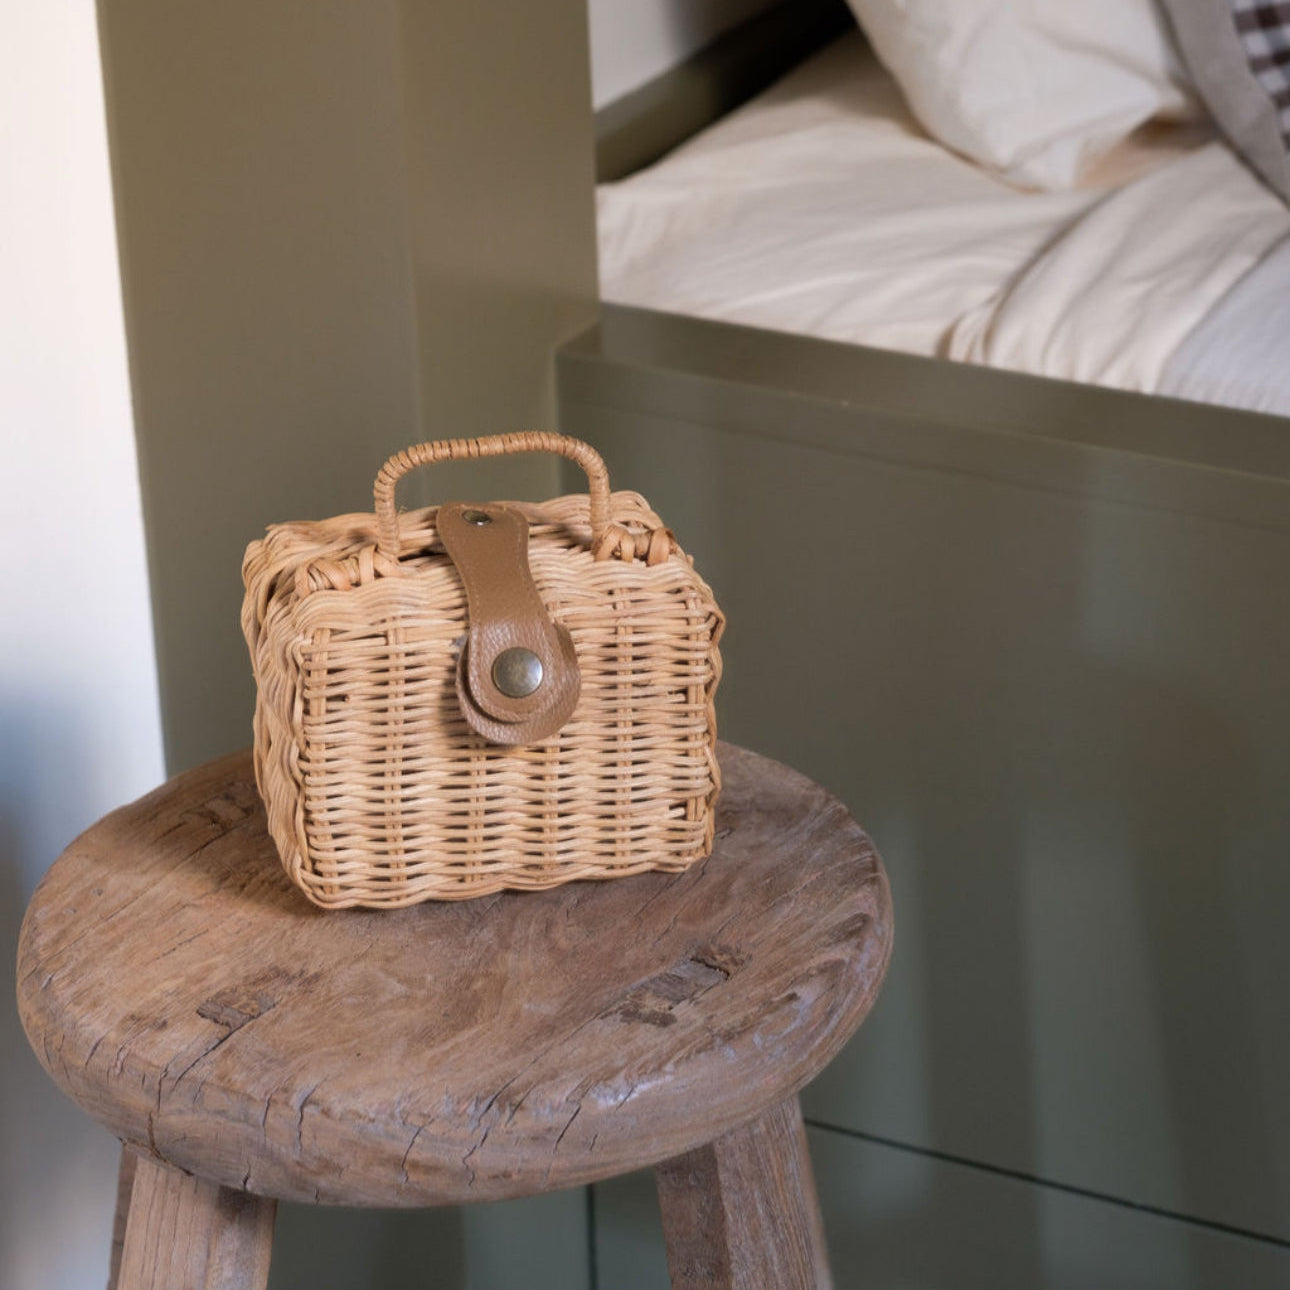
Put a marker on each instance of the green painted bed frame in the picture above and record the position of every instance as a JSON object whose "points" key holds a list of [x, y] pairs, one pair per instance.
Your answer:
{"points": [[1037, 635]]}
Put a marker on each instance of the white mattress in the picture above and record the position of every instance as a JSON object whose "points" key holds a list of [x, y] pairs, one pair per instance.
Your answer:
{"points": [[822, 208], [1239, 354]]}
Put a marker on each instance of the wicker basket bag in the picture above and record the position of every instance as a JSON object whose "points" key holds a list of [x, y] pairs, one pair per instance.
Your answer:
{"points": [[471, 697]]}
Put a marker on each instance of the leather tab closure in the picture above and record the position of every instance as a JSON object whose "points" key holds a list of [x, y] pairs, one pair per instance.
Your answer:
{"points": [[517, 675]]}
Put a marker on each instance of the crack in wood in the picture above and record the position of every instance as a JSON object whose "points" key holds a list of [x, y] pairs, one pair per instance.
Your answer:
{"points": [[543, 1053], [403, 1164], [188, 940], [667, 931], [300, 1115], [482, 1139], [577, 1111], [514, 1109], [206, 1052]]}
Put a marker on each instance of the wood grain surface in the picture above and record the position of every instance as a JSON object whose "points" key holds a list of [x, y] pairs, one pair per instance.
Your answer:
{"points": [[179, 989], [188, 1234], [741, 1213]]}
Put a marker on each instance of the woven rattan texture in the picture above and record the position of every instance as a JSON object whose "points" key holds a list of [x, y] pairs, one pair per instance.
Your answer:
{"points": [[377, 791]]}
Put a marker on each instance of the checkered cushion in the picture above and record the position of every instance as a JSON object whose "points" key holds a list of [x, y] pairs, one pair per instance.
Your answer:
{"points": [[1238, 55], [1264, 28]]}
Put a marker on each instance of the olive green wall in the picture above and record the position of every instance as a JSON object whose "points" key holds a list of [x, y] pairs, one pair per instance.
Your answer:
{"points": [[343, 228], [897, 1219]]}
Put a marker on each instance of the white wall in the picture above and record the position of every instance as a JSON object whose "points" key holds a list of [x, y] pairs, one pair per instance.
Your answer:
{"points": [[79, 723], [633, 41]]}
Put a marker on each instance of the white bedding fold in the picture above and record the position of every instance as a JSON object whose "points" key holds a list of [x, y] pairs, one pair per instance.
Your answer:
{"points": [[1239, 355], [1118, 290], [821, 208]]}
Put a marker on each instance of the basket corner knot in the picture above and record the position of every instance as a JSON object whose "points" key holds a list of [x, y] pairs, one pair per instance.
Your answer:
{"points": [[341, 573], [653, 544]]}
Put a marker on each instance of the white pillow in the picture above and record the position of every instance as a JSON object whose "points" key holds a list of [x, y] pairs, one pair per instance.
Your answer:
{"points": [[1035, 89]]}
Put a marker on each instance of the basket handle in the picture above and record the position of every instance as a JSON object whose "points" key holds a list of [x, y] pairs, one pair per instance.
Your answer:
{"points": [[426, 454]]}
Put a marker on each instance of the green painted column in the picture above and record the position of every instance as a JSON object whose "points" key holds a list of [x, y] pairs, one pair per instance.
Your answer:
{"points": [[343, 228]]}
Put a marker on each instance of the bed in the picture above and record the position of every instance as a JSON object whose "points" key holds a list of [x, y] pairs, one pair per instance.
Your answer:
{"points": [[823, 209], [1003, 559]]}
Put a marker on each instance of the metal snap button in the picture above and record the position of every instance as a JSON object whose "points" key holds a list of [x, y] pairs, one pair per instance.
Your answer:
{"points": [[477, 517], [517, 672]]}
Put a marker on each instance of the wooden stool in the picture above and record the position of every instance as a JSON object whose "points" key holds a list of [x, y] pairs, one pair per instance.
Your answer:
{"points": [[246, 1046]]}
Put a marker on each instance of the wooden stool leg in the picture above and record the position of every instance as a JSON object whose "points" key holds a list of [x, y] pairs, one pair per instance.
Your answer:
{"points": [[124, 1188], [742, 1213], [187, 1234]]}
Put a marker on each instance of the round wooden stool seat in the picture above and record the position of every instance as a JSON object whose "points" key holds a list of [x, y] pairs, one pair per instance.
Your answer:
{"points": [[180, 990]]}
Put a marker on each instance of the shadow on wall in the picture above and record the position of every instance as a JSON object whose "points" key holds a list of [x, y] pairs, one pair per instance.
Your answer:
{"points": [[57, 1169], [693, 25], [633, 42]]}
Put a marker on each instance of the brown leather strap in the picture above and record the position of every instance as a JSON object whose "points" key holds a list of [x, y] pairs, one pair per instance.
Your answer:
{"points": [[490, 547]]}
